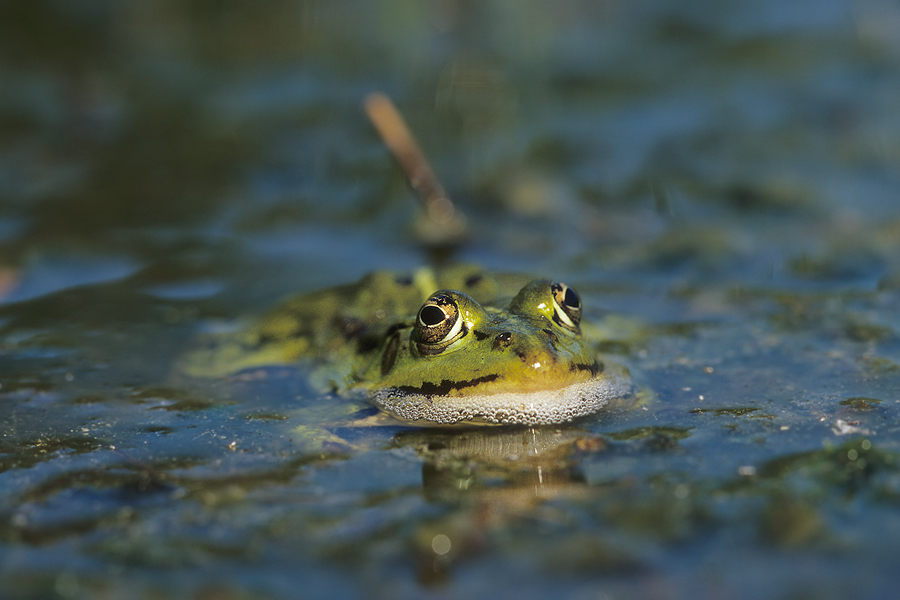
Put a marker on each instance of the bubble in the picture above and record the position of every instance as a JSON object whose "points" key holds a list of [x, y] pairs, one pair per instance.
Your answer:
{"points": [[440, 544], [524, 408]]}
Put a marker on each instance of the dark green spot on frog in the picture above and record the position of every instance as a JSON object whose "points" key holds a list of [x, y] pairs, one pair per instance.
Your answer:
{"points": [[436, 348]]}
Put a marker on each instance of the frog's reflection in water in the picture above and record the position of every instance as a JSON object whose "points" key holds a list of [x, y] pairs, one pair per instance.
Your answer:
{"points": [[494, 478], [537, 460]]}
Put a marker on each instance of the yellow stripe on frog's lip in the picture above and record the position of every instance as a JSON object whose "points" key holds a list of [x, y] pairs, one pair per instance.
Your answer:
{"points": [[543, 407]]}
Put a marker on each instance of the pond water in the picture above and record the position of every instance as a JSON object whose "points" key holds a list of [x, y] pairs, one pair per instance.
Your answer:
{"points": [[720, 178]]}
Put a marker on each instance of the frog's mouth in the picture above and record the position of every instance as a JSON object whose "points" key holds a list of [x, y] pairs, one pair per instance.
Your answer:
{"points": [[543, 407]]}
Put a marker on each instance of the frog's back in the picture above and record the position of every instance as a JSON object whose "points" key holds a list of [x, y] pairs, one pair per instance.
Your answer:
{"points": [[339, 324]]}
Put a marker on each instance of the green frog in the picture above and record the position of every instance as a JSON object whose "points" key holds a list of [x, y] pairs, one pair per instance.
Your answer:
{"points": [[436, 347]]}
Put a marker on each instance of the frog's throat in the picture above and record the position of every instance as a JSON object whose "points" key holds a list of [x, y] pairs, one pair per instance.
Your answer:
{"points": [[544, 407]]}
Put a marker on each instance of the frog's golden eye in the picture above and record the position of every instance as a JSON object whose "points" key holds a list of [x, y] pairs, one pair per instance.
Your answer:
{"points": [[566, 306], [438, 320]]}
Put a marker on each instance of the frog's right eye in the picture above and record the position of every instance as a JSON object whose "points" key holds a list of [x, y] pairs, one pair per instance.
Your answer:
{"points": [[566, 306], [438, 321]]}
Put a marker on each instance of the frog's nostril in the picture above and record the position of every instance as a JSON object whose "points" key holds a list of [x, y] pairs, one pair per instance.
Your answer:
{"points": [[502, 340]]}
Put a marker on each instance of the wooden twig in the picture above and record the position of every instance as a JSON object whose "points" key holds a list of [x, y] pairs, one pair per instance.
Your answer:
{"points": [[443, 225]]}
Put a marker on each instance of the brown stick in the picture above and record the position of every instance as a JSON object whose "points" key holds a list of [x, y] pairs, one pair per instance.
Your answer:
{"points": [[446, 223]]}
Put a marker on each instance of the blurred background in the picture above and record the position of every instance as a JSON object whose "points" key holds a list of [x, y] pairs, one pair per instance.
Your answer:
{"points": [[160, 130]]}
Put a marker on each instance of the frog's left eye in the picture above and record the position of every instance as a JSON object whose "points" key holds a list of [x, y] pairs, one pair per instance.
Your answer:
{"points": [[566, 306], [438, 320]]}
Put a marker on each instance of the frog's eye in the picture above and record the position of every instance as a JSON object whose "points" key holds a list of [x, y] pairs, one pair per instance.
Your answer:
{"points": [[438, 320], [566, 306]]}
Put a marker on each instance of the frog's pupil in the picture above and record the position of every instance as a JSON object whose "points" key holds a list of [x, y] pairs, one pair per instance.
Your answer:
{"points": [[571, 298], [431, 315]]}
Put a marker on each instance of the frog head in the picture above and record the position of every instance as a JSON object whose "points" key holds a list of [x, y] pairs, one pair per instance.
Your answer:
{"points": [[459, 361]]}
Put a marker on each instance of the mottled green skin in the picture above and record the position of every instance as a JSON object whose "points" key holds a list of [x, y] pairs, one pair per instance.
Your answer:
{"points": [[364, 336], [340, 327]]}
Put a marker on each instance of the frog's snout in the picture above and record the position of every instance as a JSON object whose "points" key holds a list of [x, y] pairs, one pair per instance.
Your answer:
{"points": [[526, 344], [531, 348], [502, 340]]}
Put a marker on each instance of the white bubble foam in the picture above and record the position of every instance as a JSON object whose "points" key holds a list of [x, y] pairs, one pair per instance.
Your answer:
{"points": [[525, 408]]}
